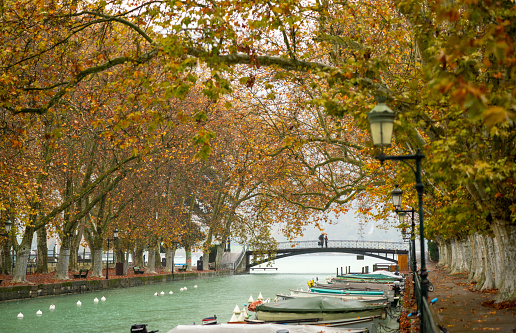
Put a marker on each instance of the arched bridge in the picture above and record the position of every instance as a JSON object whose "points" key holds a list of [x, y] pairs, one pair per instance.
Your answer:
{"points": [[377, 249]]}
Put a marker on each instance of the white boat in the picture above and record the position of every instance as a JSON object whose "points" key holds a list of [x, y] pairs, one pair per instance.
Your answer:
{"points": [[301, 293]]}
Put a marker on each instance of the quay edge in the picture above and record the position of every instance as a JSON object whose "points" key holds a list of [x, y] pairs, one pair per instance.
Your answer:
{"points": [[8, 293]]}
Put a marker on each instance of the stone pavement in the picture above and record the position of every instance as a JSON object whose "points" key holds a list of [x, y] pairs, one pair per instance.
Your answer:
{"points": [[460, 309]]}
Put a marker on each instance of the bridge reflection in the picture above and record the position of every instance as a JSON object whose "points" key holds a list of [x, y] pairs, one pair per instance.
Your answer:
{"points": [[378, 249]]}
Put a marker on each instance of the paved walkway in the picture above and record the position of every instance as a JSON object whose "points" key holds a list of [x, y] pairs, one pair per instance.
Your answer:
{"points": [[460, 309]]}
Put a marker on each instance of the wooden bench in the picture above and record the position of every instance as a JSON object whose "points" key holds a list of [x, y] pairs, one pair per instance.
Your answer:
{"points": [[138, 270], [182, 268], [83, 273]]}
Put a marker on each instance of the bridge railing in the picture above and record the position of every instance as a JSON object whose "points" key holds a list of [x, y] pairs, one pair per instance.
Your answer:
{"points": [[352, 244]]}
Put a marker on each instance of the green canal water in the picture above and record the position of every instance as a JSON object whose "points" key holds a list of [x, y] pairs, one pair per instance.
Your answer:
{"points": [[138, 305]]}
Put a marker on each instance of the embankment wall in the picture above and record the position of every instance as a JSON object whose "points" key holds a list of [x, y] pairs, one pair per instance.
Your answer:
{"points": [[8, 293]]}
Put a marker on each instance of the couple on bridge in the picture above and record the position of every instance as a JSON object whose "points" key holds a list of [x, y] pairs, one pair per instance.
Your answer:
{"points": [[323, 240]]}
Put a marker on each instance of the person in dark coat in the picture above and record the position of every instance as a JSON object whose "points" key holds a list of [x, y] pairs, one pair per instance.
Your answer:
{"points": [[326, 240], [321, 240]]}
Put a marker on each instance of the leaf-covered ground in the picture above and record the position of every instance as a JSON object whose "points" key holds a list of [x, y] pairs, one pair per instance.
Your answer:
{"points": [[461, 308]]}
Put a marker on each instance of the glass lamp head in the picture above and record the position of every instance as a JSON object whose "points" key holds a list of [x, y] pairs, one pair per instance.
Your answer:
{"points": [[381, 121], [8, 225], [396, 195]]}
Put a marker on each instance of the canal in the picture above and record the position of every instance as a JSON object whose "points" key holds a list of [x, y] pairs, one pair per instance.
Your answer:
{"points": [[138, 305]]}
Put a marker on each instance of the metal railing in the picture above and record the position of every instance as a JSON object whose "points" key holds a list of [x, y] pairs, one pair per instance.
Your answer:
{"points": [[239, 259], [352, 244], [426, 315]]}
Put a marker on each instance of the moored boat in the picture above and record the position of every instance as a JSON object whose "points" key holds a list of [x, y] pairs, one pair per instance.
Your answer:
{"points": [[348, 292], [378, 277], [261, 328], [317, 309], [349, 285], [210, 320], [367, 298]]}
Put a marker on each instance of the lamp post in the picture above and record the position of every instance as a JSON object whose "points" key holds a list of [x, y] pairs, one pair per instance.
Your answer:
{"points": [[175, 245], [115, 237], [402, 214], [8, 225], [381, 119]]}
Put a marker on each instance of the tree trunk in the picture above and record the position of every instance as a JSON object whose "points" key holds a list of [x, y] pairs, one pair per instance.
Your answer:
{"points": [[42, 257], [490, 261], [138, 257], [22, 256], [188, 255], [206, 260], [96, 258], [5, 258], [169, 256], [505, 248], [478, 261], [218, 257], [151, 268], [74, 252], [157, 259], [64, 258]]}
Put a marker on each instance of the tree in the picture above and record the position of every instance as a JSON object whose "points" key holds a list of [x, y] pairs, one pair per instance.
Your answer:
{"points": [[446, 68]]}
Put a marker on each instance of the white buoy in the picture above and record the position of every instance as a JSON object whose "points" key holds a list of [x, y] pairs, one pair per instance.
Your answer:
{"points": [[251, 299], [181, 289], [96, 300], [260, 297], [170, 292], [103, 299], [52, 307], [39, 313], [241, 317], [185, 288], [236, 310], [195, 286], [20, 315], [162, 293], [79, 303], [156, 293]]}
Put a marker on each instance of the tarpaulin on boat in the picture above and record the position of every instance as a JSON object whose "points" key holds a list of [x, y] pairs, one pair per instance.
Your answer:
{"points": [[348, 292], [262, 328], [317, 304]]}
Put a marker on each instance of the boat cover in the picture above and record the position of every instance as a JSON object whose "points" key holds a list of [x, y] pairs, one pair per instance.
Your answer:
{"points": [[371, 276], [262, 328], [317, 305], [349, 292]]}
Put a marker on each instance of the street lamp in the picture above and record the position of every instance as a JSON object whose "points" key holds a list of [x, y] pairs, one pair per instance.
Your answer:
{"points": [[396, 195], [381, 119], [402, 215], [115, 237], [8, 225]]}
